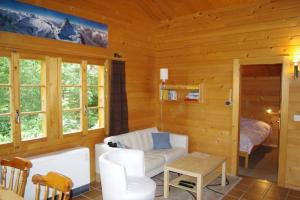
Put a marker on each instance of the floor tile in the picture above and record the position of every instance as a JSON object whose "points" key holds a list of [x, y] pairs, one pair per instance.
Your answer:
{"points": [[236, 192], [294, 193], [79, 198], [229, 197], [93, 194], [96, 185], [242, 186], [292, 198], [251, 196], [276, 192]]}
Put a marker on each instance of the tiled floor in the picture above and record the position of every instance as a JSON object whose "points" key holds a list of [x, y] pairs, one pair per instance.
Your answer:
{"points": [[247, 189], [94, 193], [255, 189]]}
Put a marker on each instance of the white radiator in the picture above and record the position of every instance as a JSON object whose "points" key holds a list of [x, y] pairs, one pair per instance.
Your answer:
{"points": [[74, 163]]}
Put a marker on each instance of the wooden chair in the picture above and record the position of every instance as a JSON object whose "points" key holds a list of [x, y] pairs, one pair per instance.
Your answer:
{"points": [[58, 182], [19, 171]]}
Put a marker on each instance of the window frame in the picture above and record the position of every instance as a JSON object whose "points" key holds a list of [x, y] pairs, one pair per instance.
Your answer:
{"points": [[17, 57], [101, 94], [51, 65], [15, 97], [60, 86], [84, 96]]}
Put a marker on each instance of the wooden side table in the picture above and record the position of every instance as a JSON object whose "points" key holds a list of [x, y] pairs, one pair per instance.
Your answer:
{"points": [[196, 167]]}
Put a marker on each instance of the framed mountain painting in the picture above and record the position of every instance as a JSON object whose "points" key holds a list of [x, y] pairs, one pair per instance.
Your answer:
{"points": [[36, 21]]}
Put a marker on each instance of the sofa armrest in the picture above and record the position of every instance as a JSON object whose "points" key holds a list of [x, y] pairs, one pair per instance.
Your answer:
{"points": [[99, 150], [181, 141]]}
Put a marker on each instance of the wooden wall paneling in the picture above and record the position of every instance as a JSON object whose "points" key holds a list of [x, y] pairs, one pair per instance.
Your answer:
{"points": [[292, 142], [264, 31], [236, 89], [52, 79], [284, 119]]}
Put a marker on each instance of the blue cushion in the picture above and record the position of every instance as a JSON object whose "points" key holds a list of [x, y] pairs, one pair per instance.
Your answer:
{"points": [[161, 141]]}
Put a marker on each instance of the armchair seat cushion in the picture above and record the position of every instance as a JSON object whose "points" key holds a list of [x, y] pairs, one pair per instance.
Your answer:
{"points": [[153, 161], [140, 188]]}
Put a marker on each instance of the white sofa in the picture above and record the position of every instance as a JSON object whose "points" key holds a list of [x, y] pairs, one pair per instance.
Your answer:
{"points": [[142, 140]]}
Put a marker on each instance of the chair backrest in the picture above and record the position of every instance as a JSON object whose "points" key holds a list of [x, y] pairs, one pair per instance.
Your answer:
{"points": [[115, 166], [57, 182], [19, 170]]}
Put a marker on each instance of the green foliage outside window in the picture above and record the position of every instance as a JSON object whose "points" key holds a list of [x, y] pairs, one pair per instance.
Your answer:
{"points": [[71, 77], [5, 130], [31, 126], [93, 95], [30, 98], [5, 123]]}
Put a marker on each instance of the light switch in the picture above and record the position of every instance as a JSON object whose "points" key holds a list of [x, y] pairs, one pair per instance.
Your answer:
{"points": [[297, 117]]}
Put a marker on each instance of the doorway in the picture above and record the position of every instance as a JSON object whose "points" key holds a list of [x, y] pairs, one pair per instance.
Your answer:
{"points": [[285, 76], [260, 98]]}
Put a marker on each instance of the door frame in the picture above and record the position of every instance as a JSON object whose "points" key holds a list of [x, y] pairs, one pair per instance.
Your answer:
{"points": [[237, 63]]}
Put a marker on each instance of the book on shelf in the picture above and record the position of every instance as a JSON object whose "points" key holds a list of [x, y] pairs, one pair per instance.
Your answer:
{"points": [[193, 95], [169, 95]]}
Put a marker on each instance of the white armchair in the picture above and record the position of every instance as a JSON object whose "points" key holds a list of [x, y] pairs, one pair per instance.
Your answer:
{"points": [[123, 176]]}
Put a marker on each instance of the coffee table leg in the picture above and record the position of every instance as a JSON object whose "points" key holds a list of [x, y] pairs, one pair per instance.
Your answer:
{"points": [[199, 187], [166, 183], [224, 174]]}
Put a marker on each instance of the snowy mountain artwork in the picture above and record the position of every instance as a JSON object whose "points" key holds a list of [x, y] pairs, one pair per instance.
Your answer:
{"points": [[31, 20]]}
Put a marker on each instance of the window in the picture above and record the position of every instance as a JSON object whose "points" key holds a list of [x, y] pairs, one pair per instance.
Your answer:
{"points": [[22, 99], [95, 94], [32, 99], [82, 97], [71, 97], [75, 92], [5, 101]]}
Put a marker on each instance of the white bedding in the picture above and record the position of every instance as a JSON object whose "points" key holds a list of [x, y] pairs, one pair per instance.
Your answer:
{"points": [[253, 132]]}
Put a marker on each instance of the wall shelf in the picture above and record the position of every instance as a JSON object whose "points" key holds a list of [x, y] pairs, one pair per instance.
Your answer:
{"points": [[182, 93]]}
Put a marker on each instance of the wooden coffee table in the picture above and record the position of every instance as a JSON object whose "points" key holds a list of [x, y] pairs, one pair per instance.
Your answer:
{"points": [[196, 167]]}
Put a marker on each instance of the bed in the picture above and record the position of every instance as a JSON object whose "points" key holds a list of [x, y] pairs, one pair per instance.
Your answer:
{"points": [[253, 133]]}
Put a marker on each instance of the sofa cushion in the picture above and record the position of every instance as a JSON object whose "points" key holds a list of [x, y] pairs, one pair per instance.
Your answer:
{"points": [[161, 141], [169, 154], [140, 139], [145, 138], [130, 140], [153, 161]]}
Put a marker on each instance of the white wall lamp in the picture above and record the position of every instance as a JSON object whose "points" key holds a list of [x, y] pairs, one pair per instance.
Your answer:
{"points": [[163, 72], [164, 75]]}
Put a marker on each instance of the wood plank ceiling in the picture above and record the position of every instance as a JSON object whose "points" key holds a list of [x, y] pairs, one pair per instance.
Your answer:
{"points": [[138, 11], [167, 9]]}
